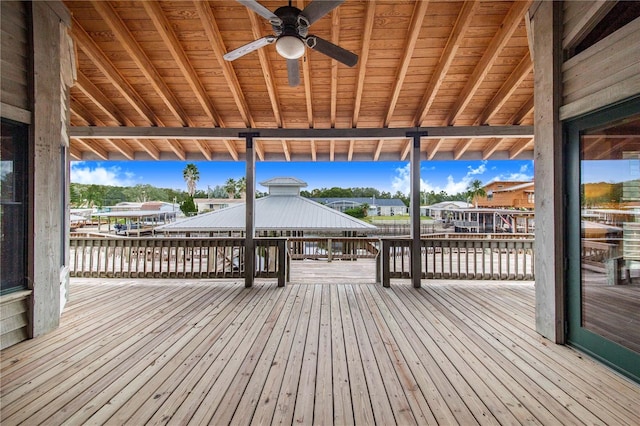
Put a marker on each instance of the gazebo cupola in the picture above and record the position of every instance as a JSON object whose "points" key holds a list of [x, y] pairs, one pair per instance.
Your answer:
{"points": [[284, 185]]}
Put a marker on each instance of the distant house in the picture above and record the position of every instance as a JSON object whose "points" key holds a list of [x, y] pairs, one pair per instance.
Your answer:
{"points": [[213, 204], [505, 195], [283, 212], [442, 210], [377, 206]]}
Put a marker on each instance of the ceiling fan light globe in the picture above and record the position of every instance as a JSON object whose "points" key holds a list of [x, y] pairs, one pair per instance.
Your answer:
{"points": [[290, 47]]}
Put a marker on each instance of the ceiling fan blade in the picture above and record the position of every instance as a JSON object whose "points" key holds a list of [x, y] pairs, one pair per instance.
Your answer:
{"points": [[293, 72], [262, 11], [331, 50], [249, 47], [318, 8]]}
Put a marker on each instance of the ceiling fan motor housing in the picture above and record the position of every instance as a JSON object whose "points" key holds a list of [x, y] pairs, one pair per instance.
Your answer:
{"points": [[293, 22]]}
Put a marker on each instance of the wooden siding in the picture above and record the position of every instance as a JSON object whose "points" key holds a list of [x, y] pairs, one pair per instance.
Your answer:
{"points": [[15, 318], [177, 352], [15, 61], [603, 74]]}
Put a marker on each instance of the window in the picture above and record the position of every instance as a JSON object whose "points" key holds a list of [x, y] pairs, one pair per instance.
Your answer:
{"points": [[13, 206]]}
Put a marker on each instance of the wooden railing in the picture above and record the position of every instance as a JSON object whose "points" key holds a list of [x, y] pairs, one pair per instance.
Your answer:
{"points": [[174, 258], [458, 258], [595, 254], [333, 248]]}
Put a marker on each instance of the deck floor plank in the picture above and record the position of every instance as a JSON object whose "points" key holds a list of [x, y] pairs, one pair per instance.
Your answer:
{"points": [[329, 352]]}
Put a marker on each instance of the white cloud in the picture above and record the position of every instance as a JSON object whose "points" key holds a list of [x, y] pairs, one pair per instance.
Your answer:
{"points": [[100, 175], [402, 181]]}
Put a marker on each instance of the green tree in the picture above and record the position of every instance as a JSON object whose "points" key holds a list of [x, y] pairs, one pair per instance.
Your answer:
{"points": [[191, 175], [241, 186], [230, 187], [475, 190], [357, 212], [188, 207]]}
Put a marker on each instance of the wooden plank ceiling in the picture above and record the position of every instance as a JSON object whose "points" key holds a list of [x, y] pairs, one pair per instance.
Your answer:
{"points": [[144, 66]]}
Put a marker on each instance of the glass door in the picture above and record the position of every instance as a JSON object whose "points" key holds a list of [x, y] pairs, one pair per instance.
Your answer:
{"points": [[603, 219]]}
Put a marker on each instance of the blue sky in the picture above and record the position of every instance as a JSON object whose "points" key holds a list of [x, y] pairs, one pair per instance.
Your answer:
{"points": [[450, 176]]}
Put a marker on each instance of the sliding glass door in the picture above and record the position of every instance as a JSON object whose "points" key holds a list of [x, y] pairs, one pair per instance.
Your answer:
{"points": [[603, 218]]}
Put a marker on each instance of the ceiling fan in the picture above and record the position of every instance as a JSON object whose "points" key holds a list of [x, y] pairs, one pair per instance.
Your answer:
{"points": [[291, 35]]}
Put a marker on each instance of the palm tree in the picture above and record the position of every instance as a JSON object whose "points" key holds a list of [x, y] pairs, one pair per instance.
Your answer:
{"points": [[475, 190], [191, 175], [241, 186], [230, 187]]}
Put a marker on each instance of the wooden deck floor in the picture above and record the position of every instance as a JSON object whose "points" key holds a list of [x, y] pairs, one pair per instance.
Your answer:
{"points": [[174, 352]]}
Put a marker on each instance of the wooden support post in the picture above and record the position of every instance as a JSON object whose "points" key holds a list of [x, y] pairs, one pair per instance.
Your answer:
{"points": [[250, 244], [282, 262], [549, 258], [385, 246], [416, 255]]}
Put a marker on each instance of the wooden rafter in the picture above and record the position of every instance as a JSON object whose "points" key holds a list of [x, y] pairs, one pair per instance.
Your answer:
{"points": [[523, 69], [524, 110], [118, 145], [453, 43], [177, 148], [215, 40], [306, 78], [350, 152], [434, 148], [314, 152], [163, 27], [267, 73], [406, 149], [363, 59], [585, 23], [91, 49], [518, 147], [335, 39], [461, 148], [491, 147], [133, 49], [285, 150], [75, 153], [93, 147], [332, 150], [148, 147], [507, 28], [231, 148], [419, 12], [376, 154], [100, 100]]}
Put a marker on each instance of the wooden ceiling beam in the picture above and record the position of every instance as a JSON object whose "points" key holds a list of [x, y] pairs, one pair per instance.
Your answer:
{"points": [[233, 152], [491, 147], [332, 150], [518, 147], [216, 41], [285, 150], [350, 152], [267, 73], [204, 149], [306, 78], [523, 69], [91, 49], [100, 100], [335, 39], [91, 146], [314, 152], [434, 148], [524, 110], [376, 154], [148, 147], [163, 27], [259, 150], [436, 132], [419, 12], [453, 43], [177, 148], [406, 149], [363, 59], [504, 33], [75, 153], [133, 49], [461, 148], [117, 144]]}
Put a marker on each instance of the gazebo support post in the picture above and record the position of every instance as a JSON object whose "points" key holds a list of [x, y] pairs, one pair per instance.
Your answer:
{"points": [[416, 253], [250, 244]]}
